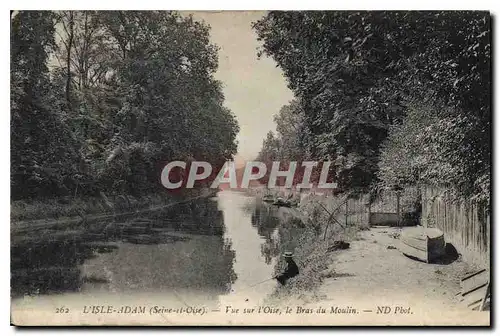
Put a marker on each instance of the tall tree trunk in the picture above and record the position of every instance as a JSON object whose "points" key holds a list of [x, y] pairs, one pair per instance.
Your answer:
{"points": [[68, 59]]}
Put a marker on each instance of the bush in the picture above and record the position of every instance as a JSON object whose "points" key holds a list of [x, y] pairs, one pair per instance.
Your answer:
{"points": [[441, 146]]}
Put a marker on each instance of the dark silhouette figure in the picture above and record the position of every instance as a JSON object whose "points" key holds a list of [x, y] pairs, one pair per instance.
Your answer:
{"points": [[291, 269]]}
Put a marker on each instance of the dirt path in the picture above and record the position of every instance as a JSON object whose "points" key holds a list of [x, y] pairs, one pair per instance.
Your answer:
{"points": [[369, 275]]}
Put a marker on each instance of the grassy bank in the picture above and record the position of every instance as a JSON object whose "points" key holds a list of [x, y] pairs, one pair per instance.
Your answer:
{"points": [[315, 250], [63, 208]]}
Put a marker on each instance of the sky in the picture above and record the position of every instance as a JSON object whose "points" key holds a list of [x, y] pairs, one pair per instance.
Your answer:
{"points": [[255, 89]]}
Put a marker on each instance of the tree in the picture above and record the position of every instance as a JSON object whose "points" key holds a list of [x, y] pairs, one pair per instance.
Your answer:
{"points": [[43, 150], [355, 73], [132, 91], [289, 125]]}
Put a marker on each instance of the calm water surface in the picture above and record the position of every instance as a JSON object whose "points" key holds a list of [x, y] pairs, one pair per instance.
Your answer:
{"points": [[210, 252]]}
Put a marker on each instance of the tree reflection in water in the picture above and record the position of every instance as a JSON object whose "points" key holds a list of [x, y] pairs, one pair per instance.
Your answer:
{"points": [[172, 248], [278, 227]]}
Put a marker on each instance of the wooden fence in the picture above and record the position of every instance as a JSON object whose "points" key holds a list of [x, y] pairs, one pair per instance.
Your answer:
{"points": [[356, 211], [465, 224], [384, 210]]}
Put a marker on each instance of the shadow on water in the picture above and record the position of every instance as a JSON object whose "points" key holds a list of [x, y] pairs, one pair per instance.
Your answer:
{"points": [[51, 261], [279, 228], [44, 266], [266, 221]]}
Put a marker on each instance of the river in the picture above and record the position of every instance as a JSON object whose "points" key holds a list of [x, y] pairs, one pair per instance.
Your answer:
{"points": [[214, 252]]}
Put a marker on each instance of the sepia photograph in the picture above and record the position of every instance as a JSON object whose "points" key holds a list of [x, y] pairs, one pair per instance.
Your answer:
{"points": [[250, 168]]}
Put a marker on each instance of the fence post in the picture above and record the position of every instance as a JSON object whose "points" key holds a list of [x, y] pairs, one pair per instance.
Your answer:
{"points": [[397, 208], [346, 210], [425, 207], [368, 206]]}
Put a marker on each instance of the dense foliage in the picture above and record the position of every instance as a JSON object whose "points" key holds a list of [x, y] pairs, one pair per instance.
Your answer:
{"points": [[418, 77], [287, 143], [102, 100]]}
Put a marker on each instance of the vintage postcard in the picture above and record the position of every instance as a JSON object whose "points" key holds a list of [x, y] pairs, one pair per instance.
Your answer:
{"points": [[250, 168]]}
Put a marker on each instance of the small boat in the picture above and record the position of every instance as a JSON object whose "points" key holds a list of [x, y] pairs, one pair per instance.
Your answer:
{"points": [[268, 199], [283, 203], [425, 244]]}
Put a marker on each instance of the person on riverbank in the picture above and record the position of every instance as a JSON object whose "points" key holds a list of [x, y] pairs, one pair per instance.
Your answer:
{"points": [[291, 269]]}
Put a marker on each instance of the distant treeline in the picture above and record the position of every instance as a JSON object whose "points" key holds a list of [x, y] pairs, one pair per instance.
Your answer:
{"points": [[100, 101], [394, 98]]}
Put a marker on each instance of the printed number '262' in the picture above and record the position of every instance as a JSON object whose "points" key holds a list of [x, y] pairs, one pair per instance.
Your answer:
{"points": [[62, 310]]}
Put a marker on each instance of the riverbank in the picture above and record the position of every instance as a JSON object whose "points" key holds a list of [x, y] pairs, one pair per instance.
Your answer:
{"points": [[315, 249], [309, 232], [64, 210], [382, 285], [370, 273]]}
